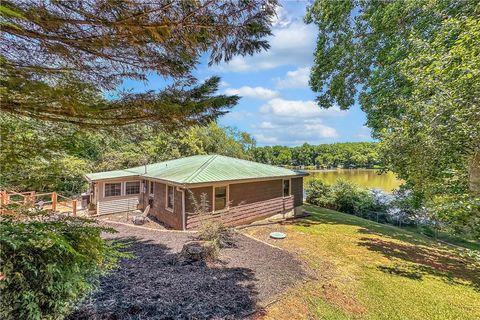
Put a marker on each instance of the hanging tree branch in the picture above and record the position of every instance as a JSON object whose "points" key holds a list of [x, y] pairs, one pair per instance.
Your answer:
{"points": [[57, 58]]}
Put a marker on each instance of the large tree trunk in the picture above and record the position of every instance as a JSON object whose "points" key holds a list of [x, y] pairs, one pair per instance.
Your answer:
{"points": [[474, 173]]}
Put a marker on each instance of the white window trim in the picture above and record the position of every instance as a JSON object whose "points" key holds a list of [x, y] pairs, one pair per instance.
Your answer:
{"points": [[133, 194], [122, 191], [166, 198], [151, 184], [227, 205], [289, 187]]}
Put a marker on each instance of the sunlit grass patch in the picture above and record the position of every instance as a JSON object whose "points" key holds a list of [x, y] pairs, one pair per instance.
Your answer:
{"points": [[365, 270]]}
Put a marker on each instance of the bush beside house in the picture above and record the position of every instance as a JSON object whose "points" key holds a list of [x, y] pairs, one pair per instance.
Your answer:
{"points": [[49, 263]]}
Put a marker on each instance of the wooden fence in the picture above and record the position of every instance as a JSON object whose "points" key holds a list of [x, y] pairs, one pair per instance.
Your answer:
{"points": [[51, 201]]}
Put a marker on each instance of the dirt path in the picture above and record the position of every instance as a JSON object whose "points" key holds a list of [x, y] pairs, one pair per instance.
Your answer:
{"points": [[151, 286]]}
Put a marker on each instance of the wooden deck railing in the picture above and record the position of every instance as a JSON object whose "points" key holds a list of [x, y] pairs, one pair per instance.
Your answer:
{"points": [[51, 201]]}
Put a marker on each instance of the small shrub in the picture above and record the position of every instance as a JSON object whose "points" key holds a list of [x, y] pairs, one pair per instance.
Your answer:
{"points": [[319, 193], [200, 206], [50, 263], [347, 196]]}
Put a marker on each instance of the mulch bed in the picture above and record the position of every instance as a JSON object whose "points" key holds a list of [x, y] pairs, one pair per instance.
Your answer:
{"points": [[123, 217], [153, 286]]}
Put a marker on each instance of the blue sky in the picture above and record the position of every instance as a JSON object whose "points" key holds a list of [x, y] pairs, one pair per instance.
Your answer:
{"points": [[277, 106]]}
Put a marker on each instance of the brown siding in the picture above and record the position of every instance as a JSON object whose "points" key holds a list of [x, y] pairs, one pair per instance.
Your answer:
{"points": [[197, 193], [171, 219], [250, 192], [297, 191]]}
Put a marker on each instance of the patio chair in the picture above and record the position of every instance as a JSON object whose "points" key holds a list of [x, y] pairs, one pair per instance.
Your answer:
{"points": [[141, 218]]}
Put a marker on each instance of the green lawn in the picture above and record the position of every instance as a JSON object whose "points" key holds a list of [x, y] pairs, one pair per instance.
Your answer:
{"points": [[365, 270]]}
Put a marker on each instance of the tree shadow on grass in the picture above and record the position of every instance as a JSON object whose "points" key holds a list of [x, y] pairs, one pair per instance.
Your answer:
{"points": [[153, 286], [331, 217], [415, 262]]}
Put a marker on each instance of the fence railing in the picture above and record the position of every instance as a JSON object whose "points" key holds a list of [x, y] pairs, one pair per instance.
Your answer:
{"points": [[51, 201]]}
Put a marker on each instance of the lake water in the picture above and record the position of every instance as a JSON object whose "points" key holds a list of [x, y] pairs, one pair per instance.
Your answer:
{"points": [[369, 178]]}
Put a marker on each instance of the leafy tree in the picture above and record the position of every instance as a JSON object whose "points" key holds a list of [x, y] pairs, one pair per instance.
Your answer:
{"points": [[414, 65], [213, 139], [55, 156], [58, 57]]}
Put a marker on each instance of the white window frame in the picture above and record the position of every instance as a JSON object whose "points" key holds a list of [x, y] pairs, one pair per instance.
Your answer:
{"points": [[139, 188], [150, 187], [166, 198], [113, 182], [289, 188], [227, 204]]}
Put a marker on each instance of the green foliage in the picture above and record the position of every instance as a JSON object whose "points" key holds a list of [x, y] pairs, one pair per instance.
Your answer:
{"points": [[353, 154], [415, 66], [57, 60], [41, 157], [343, 196], [50, 263], [55, 157], [319, 193], [348, 197]]}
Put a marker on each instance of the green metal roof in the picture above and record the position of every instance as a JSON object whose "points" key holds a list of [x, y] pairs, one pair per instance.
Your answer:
{"points": [[200, 169]]}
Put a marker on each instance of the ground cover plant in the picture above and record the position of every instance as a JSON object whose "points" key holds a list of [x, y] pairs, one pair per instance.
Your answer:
{"points": [[50, 263], [367, 270]]}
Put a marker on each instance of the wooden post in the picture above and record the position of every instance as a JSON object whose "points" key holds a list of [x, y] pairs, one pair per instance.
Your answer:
{"points": [[74, 207], [31, 199], [2, 197], [54, 201]]}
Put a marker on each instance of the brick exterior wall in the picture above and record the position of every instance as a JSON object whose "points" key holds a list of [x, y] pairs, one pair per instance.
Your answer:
{"points": [[248, 202], [250, 192], [297, 191], [158, 210], [197, 193]]}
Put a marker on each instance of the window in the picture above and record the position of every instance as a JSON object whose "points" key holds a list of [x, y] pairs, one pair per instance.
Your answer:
{"points": [[132, 187], [170, 197], [286, 188], [113, 189], [220, 198], [151, 187]]}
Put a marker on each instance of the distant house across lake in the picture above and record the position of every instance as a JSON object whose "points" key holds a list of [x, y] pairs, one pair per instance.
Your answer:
{"points": [[229, 190]]}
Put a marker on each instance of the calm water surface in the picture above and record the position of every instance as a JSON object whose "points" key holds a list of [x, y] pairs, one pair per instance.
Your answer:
{"points": [[369, 178]]}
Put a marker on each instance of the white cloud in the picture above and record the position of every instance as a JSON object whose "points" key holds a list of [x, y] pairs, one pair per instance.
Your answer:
{"points": [[294, 79], [298, 109], [292, 43], [256, 92], [312, 131], [293, 122], [224, 84], [364, 133], [233, 116], [282, 17], [267, 125]]}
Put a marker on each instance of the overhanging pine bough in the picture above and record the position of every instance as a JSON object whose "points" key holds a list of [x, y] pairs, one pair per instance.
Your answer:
{"points": [[58, 57]]}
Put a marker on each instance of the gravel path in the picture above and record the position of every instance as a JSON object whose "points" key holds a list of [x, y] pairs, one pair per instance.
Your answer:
{"points": [[151, 286]]}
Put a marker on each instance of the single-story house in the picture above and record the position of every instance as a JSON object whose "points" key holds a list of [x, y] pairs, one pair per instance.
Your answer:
{"points": [[184, 192]]}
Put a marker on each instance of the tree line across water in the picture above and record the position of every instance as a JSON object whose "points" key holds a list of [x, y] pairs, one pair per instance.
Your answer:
{"points": [[346, 155]]}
